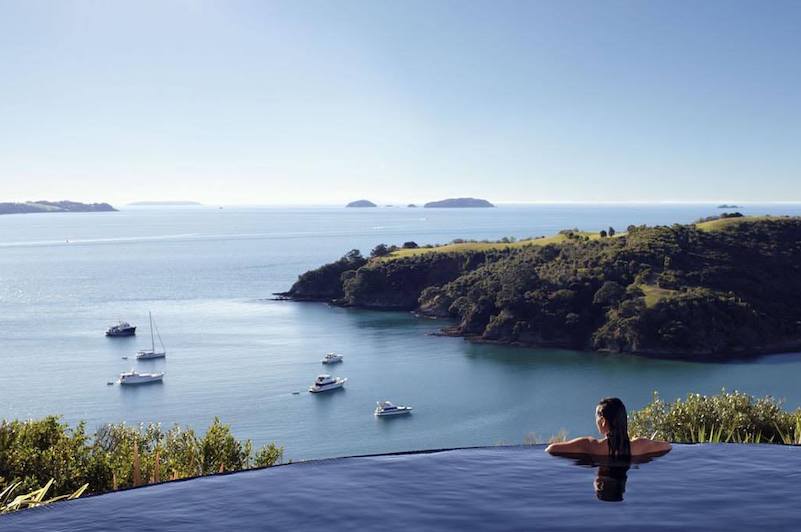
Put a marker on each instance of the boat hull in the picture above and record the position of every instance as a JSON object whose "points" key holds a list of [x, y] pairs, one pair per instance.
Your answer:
{"points": [[117, 333], [150, 355], [141, 379], [396, 412]]}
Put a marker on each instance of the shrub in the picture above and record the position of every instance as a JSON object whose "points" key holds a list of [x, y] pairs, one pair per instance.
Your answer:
{"points": [[34, 452], [725, 417]]}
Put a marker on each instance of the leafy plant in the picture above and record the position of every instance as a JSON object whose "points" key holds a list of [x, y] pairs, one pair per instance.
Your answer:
{"points": [[67, 461], [32, 499], [726, 417]]}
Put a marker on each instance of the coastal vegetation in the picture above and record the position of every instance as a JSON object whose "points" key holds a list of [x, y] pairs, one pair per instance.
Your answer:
{"points": [[66, 460], [53, 206], [11, 502], [720, 288], [726, 417]]}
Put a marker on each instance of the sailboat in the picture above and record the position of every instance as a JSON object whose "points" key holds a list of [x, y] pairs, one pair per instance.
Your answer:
{"points": [[147, 354]]}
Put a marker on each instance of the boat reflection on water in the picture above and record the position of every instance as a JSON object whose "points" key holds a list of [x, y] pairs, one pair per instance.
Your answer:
{"points": [[612, 475]]}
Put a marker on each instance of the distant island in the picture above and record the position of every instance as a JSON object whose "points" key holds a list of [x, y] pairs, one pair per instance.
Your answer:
{"points": [[361, 203], [726, 206], [458, 203], [412, 205], [719, 289], [165, 203], [53, 206]]}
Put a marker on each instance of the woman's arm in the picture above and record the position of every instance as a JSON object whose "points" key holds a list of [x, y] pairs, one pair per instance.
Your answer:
{"points": [[648, 446], [583, 445]]}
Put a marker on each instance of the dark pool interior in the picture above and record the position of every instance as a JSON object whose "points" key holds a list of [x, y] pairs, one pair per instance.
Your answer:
{"points": [[694, 487]]}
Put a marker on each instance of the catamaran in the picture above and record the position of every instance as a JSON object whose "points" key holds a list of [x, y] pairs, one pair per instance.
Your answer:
{"points": [[147, 354]]}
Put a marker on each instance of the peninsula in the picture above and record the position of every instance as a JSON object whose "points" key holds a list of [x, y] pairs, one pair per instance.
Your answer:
{"points": [[458, 203], [53, 206], [722, 288]]}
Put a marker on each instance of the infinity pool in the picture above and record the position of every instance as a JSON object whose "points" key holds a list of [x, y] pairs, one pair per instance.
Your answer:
{"points": [[695, 487]]}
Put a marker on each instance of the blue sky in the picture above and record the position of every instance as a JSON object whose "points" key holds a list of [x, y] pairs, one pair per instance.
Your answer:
{"points": [[324, 102]]}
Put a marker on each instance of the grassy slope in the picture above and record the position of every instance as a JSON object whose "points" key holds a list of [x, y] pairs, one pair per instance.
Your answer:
{"points": [[714, 225], [486, 246], [653, 294], [717, 225]]}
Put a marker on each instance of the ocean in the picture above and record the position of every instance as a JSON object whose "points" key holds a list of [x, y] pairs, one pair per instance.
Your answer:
{"points": [[208, 274]]}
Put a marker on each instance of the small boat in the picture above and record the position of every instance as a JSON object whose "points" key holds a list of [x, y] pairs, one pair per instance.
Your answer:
{"points": [[385, 408], [133, 377], [332, 358], [149, 354], [123, 328], [324, 383]]}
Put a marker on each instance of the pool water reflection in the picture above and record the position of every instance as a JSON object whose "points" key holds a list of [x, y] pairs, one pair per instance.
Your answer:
{"points": [[694, 487]]}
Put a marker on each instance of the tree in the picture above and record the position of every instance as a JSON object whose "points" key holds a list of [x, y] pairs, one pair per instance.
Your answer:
{"points": [[611, 231], [381, 250], [354, 255], [603, 233], [410, 245]]}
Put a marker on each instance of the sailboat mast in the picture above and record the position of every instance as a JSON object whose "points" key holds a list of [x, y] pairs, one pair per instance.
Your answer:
{"points": [[152, 341]]}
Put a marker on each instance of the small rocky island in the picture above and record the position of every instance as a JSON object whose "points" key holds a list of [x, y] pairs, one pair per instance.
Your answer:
{"points": [[718, 289], [458, 203], [361, 203], [727, 206], [53, 206]]}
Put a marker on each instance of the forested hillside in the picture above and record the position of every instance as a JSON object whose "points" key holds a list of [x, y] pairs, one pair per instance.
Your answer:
{"points": [[723, 288]]}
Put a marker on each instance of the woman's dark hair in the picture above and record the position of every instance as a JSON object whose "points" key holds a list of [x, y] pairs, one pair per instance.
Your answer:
{"points": [[613, 411]]}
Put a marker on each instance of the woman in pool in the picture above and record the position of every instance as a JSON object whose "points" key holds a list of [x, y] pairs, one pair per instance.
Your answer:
{"points": [[612, 422]]}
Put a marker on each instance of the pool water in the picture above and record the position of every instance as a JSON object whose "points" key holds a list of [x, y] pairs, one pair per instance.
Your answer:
{"points": [[694, 487]]}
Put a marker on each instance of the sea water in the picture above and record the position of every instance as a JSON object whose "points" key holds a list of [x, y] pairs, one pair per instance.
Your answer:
{"points": [[208, 274]]}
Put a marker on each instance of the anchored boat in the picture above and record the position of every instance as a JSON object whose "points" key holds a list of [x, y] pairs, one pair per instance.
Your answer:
{"points": [[385, 408], [147, 354], [324, 383], [123, 328], [332, 358], [133, 377]]}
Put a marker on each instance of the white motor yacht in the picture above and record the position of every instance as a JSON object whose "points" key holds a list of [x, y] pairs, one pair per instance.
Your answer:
{"points": [[332, 358], [324, 383], [132, 377], [149, 354], [385, 408]]}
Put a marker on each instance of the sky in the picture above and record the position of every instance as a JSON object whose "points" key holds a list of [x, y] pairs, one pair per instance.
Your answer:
{"points": [[306, 102]]}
